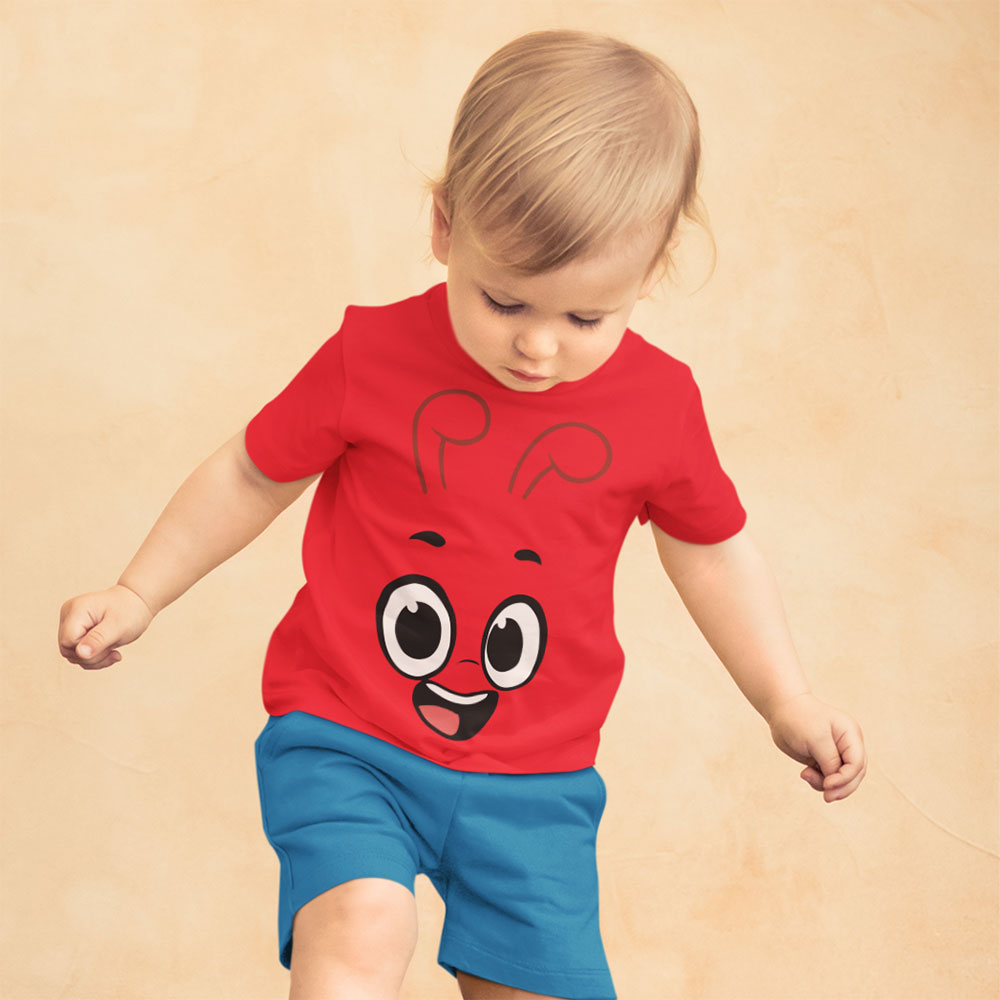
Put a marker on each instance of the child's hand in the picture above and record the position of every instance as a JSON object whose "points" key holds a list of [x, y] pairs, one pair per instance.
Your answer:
{"points": [[827, 741], [92, 626]]}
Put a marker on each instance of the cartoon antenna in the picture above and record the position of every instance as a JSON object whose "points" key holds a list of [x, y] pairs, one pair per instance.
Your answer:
{"points": [[575, 452], [452, 416]]}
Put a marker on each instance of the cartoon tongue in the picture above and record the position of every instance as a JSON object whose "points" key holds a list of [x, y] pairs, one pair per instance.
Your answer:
{"points": [[444, 720]]}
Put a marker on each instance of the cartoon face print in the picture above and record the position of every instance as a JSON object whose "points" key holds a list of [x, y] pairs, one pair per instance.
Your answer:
{"points": [[416, 630], [415, 619]]}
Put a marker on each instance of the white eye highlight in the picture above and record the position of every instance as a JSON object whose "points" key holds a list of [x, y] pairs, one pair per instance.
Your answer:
{"points": [[416, 625], [514, 642]]}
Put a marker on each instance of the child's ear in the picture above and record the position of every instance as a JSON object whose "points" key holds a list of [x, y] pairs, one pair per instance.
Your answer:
{"points": [[651, 280], [440, 230], [658, 269]]}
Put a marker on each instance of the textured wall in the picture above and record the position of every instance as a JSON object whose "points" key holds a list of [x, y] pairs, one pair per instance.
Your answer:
{"points": [[192, 191]]}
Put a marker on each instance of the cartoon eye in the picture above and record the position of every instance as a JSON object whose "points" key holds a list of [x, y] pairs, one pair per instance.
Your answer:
{"points": [[416, 625], [514, 642]]}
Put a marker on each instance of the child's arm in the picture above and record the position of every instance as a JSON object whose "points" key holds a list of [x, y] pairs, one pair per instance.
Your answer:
{"points": [[734, 600], [224, 504]]}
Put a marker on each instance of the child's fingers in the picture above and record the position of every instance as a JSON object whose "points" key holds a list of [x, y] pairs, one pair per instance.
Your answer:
{"points": [[92, 626], [813, 777], [96, 651], [831, 747], [87, 637], [827, 757], [847, 772], [71, 635], [112, 657], [838, 787], [852, 770], [833, 786], [837, 766]]}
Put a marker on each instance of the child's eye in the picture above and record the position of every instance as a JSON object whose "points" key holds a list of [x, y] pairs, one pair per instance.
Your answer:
{"points": [[498, 307]]}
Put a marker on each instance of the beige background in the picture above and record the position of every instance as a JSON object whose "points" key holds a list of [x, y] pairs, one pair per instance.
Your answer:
{"points": [[192, 192]]}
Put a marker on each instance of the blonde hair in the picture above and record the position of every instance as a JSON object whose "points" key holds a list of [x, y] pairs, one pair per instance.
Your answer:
{"points": [[564, 141]]}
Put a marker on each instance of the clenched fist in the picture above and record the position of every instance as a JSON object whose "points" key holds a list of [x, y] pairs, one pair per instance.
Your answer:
{"points": [[93, 626]]}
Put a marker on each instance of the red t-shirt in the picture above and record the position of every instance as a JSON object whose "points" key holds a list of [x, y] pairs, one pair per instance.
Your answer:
{"points": [[460, 549]]}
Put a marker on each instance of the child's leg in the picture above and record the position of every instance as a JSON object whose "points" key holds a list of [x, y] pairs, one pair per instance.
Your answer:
{"points": [[354, 942], [474, 988]]}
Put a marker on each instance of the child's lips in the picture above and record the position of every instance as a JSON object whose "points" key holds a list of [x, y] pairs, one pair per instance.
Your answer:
{"points": [[527, 376]]}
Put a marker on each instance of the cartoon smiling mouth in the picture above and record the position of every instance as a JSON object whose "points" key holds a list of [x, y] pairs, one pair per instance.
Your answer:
{"points": [[455, 716]]}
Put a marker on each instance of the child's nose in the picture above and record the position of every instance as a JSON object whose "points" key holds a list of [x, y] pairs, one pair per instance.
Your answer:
{"points": [[536, 343]]}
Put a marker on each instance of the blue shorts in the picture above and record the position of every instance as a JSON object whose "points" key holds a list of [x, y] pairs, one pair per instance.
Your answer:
{"points": [[512, 855]]}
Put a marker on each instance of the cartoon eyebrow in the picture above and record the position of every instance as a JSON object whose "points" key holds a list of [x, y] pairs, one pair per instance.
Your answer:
{"points": [[433, 538], [430, 537]]}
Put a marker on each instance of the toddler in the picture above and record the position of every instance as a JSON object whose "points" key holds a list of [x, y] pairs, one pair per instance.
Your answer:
{"points": [[436, 690]]}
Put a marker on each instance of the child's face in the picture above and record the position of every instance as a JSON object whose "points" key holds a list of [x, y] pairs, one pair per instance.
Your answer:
{"points": [[531, 333]]}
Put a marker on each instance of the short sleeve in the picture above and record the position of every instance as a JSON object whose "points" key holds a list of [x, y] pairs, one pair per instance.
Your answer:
{"points": [[297, 434], [695, 501]]}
